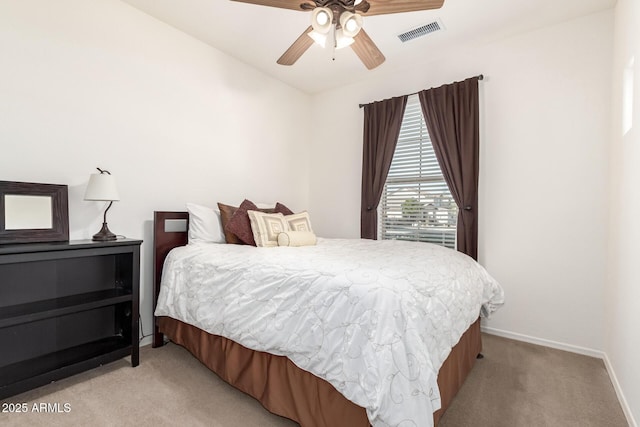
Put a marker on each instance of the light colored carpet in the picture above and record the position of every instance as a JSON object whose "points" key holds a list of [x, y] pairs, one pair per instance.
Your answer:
{"points": [[516, 384]]}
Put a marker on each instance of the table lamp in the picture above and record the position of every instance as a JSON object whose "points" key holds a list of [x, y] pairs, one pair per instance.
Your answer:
{"points": [[102, 187]]}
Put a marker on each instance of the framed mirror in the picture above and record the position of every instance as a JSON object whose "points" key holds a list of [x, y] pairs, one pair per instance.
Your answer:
{"points": [[32, 212]]}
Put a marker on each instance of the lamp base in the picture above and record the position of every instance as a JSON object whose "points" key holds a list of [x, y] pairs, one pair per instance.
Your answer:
{"points": [[104, 235]]}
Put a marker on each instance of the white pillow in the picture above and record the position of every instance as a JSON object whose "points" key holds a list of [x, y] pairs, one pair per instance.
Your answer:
{"points": [[265, 205], [205, 224], [299, 222], [297, 238], [266, 227]]}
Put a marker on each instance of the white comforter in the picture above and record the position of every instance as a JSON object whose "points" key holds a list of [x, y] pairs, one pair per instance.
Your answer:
{"points": [[376, 319]]}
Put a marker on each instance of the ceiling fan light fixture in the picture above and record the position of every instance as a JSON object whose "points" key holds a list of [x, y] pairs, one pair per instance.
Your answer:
{"points": [[343, 40], [351, 23], [319, 38], [321, 19]]}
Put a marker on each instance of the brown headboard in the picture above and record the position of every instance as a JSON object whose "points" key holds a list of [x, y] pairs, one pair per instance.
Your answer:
{"points": [[170, 229]]}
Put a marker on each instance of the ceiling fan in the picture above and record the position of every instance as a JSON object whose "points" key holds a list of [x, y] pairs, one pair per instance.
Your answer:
{"points": [[341, 22]]}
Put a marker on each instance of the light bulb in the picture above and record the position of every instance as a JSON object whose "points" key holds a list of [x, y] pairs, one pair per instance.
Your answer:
{"points": [[351, 25], [322, 18]]}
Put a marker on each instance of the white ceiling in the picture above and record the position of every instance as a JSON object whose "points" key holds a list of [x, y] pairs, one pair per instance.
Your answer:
{"points": [[258, 35]]}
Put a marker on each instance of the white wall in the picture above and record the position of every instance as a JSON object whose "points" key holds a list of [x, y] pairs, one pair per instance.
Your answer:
{"points": [[545, 125], [623, 291], [87, 83]]}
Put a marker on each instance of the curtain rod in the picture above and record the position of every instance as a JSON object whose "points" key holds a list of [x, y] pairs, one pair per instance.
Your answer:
{"points": [[480, 77]]}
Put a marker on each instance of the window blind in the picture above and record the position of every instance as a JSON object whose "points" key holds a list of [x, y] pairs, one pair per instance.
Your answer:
{"points": [[416, 203]]}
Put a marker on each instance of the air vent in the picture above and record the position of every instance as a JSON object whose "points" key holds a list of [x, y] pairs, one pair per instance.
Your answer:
{"points": [[423, 30]]}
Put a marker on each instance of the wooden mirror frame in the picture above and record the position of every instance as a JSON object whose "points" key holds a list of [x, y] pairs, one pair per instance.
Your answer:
{"points": [[59, 230]]}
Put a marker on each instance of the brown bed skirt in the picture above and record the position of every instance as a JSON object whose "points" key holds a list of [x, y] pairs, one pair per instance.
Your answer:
{"points": [[291, 392]]}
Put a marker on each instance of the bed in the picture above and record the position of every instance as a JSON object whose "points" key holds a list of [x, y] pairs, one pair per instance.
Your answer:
{"points": [[387, 374]]}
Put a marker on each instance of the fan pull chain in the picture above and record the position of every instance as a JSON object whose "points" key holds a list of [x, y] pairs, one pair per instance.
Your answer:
{"points": [[335, 44]]}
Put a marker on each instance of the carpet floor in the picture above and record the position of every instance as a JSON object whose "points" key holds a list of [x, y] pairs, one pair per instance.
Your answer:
{"points": [[516, 384]]}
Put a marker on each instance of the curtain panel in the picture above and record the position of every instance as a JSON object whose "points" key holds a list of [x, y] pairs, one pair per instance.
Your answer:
{"points": [[382, 122], [452, 116]]}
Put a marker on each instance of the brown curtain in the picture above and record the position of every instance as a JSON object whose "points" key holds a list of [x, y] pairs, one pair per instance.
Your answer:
{"points": [[451, 114], [382, 121]]}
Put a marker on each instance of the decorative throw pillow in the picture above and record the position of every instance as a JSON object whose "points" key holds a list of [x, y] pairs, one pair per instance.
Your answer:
{"points": [[266, 227], [240, 225], [204, 224], [280, 208], [226, 213], [297, 238], [299, 222]]}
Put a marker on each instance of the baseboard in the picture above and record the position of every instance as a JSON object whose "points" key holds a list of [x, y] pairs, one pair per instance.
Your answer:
{"points": [[544, 342], [146, 341], [573, 349], [616, 386]]}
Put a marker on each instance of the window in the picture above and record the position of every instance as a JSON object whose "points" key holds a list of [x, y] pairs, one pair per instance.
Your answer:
{"points": [[416, 203]]}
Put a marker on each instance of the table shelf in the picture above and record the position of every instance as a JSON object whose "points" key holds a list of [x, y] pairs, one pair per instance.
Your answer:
{"points": [[27, 374], [39, 310]]}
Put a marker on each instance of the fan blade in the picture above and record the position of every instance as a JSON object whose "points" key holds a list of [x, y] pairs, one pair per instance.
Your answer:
{"points": [[283, 4], [383, 7], [367, 50], [296, 50]]}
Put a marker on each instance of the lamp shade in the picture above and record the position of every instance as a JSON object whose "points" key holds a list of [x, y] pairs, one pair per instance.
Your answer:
{"points": [[102, 187], [342, 40], [351, 23], [319, 38], [321, 19]]}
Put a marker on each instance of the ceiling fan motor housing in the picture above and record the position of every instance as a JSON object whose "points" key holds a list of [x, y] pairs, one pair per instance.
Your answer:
{"points": [[339, 6]]}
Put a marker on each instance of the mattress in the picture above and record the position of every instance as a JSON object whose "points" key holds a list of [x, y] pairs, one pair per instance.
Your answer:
{"points": [[375, 319]]}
